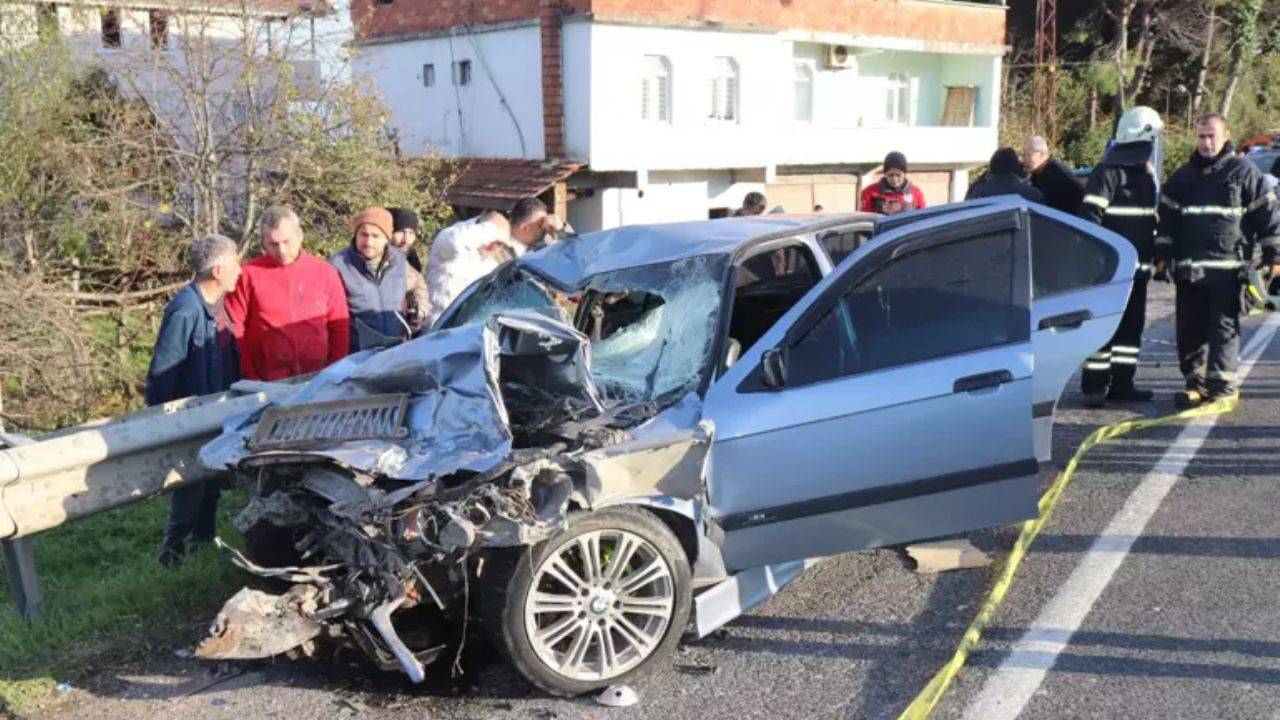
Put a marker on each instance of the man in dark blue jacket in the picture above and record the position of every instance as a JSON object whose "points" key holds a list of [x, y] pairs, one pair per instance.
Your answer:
{"points": [[1213, 212], [196, 354]]}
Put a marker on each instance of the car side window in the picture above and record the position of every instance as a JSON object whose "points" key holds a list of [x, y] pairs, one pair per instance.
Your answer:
{"points": [[942, 300], [841, 244], [1064, 259], [766, 286]]}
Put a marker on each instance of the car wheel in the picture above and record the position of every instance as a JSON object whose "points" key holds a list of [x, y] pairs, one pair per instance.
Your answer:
{"points": [[602, 603]]}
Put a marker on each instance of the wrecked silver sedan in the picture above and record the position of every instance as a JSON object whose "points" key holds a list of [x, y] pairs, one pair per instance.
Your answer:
{"points": [[633, 426]]}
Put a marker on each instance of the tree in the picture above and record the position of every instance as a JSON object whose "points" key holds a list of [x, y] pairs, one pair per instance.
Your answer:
{"points": [[110, 163], [1206, 55], [1243, 20]]}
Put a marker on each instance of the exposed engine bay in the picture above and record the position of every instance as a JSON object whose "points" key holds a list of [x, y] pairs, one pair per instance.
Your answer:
{"points": [[381, 487]]}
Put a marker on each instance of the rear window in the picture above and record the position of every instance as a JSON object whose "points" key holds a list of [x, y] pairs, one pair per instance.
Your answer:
{"points": [[841, 244], [1064, 259]]}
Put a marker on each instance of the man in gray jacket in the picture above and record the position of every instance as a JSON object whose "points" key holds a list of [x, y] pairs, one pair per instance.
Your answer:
{"points": [[386, 297]]}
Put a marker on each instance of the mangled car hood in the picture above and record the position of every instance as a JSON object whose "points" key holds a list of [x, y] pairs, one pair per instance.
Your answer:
{"points": [[439, 404]]}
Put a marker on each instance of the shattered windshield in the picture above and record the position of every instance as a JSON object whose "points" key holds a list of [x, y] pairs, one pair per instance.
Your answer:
{"points": [[652, 328], [512, 287]]}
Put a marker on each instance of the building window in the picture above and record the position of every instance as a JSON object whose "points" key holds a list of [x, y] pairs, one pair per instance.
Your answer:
{"points": [[655, 89], [47, 22], [723, 85], [803, 93], [428, 75], [462, 72], [897, 105], [159, 26], [111, 28]]}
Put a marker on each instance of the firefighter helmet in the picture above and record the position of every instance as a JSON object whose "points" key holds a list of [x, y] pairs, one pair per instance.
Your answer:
{"points": [[1139, 124]]}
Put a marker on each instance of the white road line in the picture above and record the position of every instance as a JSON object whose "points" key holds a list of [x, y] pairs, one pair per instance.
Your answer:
{"points": [[1009, 689]]}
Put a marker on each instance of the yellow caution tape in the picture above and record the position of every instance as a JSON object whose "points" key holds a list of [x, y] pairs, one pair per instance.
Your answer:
{"points": [[927, 700]]}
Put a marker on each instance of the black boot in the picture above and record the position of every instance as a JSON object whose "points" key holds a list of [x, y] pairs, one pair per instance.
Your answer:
{"points": [[1223, 393], [1189, 398], [1130, 393]]}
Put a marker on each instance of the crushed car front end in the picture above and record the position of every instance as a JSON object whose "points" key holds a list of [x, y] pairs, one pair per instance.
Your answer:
{"points": [[398, 488]]}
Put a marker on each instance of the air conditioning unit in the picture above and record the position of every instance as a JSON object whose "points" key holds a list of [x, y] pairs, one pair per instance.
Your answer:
{"points": [[839, 57]]}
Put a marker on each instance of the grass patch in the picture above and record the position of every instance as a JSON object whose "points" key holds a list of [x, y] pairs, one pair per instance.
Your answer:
{"points": [[106, 597]]}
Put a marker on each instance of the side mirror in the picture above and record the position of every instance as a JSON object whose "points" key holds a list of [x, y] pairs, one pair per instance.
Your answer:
{"points": [[773, 369]]}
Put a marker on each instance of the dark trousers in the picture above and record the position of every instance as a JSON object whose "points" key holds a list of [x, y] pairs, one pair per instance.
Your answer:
{"points": [[1209, 333], [1116, 363], [193, 511]]}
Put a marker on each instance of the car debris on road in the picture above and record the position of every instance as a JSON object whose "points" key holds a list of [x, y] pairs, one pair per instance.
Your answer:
{"points": [[943, 555]]}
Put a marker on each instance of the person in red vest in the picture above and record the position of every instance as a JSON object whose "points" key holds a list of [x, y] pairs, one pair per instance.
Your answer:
{"points": [[894, 193], [289, 309]]}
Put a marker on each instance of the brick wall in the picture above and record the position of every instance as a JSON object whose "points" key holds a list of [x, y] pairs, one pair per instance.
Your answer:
{"points": [[552, 79], [894, 18]]}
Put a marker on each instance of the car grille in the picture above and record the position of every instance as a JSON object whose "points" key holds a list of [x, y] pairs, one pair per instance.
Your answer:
{"points": [[372, 417]]}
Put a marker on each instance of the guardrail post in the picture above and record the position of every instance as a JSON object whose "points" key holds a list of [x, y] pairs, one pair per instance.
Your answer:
{"points": [[20, 559], [20, 566]]}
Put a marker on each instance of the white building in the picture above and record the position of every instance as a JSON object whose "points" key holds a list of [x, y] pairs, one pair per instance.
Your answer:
{"points": [[144, 44], [675, 114]]}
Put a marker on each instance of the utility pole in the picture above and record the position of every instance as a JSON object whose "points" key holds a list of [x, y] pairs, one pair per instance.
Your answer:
{"points": [[1045, 93]]}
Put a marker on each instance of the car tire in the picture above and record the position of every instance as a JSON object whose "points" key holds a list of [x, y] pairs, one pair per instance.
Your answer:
{"points": [[538, 616]]}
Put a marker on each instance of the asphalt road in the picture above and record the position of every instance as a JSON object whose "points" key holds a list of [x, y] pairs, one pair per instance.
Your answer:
{"points": [[1186, 626]]}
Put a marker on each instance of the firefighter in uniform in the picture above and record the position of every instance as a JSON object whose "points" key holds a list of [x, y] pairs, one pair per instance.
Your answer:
{"points": [[1122, 195], [1213, 211]]}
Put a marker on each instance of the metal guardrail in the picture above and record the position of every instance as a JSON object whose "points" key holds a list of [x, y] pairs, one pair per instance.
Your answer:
{"points": [[75, 472]]}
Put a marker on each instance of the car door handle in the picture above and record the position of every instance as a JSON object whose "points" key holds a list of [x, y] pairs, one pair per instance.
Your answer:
{"points": [[982, 380], [1066, 321]]}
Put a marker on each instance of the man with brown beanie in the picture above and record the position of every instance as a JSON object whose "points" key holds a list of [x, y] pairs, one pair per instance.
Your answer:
{"points": [[385, 295], [893, 193]]}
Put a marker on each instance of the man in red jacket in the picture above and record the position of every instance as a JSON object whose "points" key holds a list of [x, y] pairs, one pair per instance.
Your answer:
{"points": [[289, 309], [893, 193]]}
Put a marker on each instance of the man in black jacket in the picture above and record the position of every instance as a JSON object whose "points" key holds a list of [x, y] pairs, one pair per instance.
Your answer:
{"points": [[1122, 195], [1062, 189], [405, 233], [1004, 177], [1213, 211]]}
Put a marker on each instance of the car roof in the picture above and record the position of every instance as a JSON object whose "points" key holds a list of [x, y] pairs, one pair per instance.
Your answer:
{"points": [[581, 256]]}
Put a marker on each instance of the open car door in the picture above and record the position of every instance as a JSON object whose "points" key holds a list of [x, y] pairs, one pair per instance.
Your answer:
{"points": [[1081, 277], [892, 403]]}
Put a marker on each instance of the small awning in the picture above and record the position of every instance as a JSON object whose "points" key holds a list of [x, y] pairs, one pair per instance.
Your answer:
{"points": [[497, 184]]}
